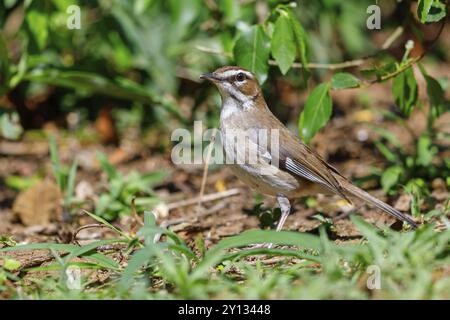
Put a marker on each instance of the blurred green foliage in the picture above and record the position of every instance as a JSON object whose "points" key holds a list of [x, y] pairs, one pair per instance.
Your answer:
{"points": [[146, 52], [122, 189]]}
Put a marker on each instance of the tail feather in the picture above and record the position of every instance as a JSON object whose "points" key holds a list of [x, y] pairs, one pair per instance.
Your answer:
{"points": [[361, 194]]}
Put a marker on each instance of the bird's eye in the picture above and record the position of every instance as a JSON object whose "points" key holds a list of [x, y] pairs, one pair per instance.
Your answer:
{"points": [[240, 77]]}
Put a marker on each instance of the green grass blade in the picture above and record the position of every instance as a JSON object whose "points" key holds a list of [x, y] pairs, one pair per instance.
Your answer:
{"points": [[109, 225]]}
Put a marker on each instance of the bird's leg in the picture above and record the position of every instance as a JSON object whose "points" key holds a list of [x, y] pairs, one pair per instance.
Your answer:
{"points": [[285, 207]]}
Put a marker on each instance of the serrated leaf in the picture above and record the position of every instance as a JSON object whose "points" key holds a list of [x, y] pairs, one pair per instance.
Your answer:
{"points": [[405, 91], [283, 43], [343, 80], [316, 113], [252, 50]]}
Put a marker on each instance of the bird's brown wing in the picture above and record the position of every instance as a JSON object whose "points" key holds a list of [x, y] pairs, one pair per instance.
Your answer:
{"points": [[298, 159]]}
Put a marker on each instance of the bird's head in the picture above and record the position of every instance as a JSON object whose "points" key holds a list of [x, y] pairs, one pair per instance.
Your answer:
{"points": [[235, 83]]}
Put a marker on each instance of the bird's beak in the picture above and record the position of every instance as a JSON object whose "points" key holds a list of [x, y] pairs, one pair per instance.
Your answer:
{"points": [[211, 76]]}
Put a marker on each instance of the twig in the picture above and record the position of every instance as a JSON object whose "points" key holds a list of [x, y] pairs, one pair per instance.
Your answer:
{"points": [[88, 226], [205, 170], [391, 39], [297, 65], [314, 65], [414, 60], [189, 202], [354, 63], [205, 213], [207, 198]]}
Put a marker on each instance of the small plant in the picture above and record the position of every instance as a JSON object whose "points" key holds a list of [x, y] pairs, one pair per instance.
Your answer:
{"points": [[65, 177], [121, 190], [267, 217], [423, 162], [7, 241]]}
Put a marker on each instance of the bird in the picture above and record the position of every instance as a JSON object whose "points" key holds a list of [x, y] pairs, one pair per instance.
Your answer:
{"points": [[287, 171]]}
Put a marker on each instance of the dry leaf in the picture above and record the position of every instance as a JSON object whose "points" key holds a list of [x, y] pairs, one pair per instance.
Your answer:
{"points": [[39, 204], [104, 124], [403, 203], [220, 186]]}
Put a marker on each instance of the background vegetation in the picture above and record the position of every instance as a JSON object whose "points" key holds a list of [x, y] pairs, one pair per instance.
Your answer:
{"points": [[87, 106]]}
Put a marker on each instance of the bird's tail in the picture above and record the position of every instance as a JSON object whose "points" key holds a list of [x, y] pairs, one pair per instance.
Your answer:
{"points": [[361, 194]]}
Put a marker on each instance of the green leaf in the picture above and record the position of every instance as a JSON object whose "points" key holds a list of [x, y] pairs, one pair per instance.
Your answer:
{"points": [[56, 164], [423, 8], [436, 94], [231, 11], [390, 177], [388, 135], [111, 172], [4, 66], [437, 12], [71, 182], [139, 259], [300, 39], [109, 225], [252, 50], [283, 43], [20, 183], [343, 80], [184, 12], [62, 5], [10, 127], [405, 91], [425, 151], [376, 242], [103, 261], [37, 22], [89, 248], [380, 71], [42, 246], [218, 252], [316, 113], [386, 152], [431, 10], [11, 264]]}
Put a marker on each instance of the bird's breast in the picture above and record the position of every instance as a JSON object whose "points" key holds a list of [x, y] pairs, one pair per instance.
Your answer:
{"points": [[252, 164]]}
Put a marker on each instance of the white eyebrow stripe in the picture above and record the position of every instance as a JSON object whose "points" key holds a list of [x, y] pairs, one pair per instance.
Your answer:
{"points": [[230, 73]]}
